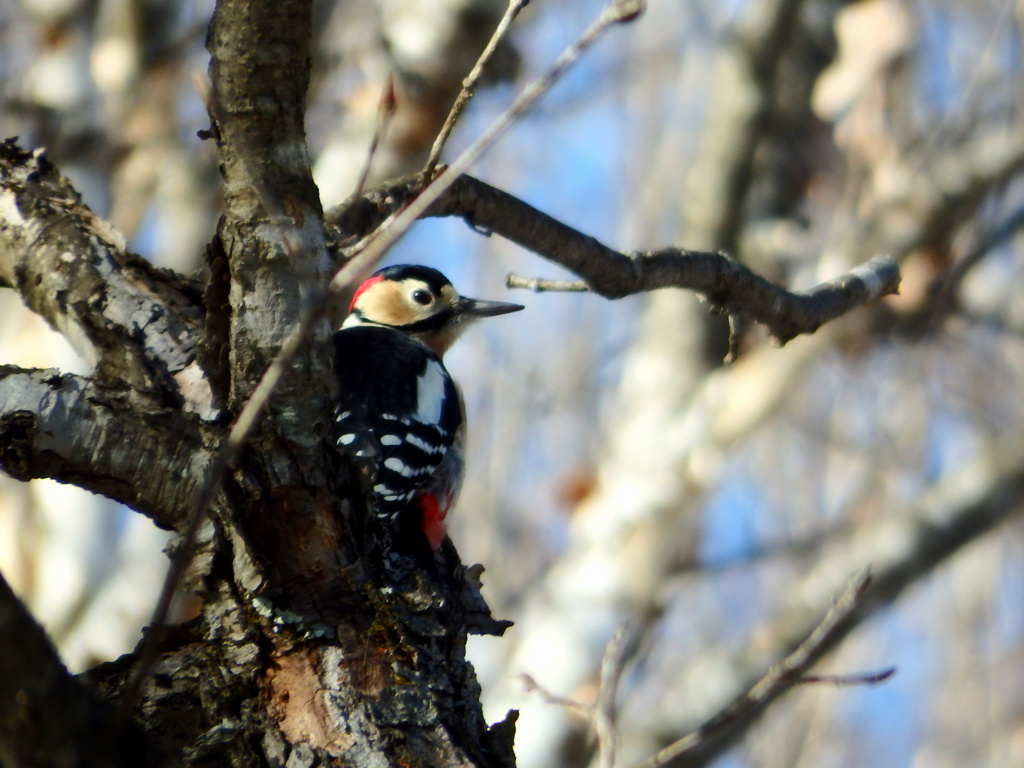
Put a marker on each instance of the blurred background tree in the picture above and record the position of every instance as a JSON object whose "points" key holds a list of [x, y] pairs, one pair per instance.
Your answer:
{"points": [[619, 472]]}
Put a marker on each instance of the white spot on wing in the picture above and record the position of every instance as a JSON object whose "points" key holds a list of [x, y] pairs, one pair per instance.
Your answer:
{"points": [[397, 465], [430, 393], [347, 439], [391, 440]]}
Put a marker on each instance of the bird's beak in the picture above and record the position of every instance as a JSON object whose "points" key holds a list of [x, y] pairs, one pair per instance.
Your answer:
{"points": [[481, 308]]}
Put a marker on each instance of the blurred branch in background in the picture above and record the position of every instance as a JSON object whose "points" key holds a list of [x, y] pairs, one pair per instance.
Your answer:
{"points": [[817, 442], [788, 672]]}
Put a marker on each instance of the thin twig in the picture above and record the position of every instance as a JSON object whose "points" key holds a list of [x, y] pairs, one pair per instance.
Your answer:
{"points": [[861, 678], [735, 332], [780, 678], [616, 12], [368, 252], [539, 285], [949, 282], [602, 713], [608, 687], [385, 112], [470, 83], [531, 685]]}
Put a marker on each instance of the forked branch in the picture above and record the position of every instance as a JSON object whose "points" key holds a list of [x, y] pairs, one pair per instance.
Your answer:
{"points": [[728, 285], [789, 672]]}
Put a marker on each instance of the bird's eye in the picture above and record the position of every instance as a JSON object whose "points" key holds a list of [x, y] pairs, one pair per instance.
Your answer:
{"points": [[421, 297]]}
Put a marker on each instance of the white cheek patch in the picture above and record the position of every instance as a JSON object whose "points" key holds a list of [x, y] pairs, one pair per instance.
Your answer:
{"points": [[430, 390]]}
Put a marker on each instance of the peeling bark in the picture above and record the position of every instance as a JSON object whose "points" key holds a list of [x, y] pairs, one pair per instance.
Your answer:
{"points": [[129, 319], [102, 436]]}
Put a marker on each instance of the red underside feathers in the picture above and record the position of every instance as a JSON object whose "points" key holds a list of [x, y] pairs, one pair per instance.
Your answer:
{"points": [[432, 520]]}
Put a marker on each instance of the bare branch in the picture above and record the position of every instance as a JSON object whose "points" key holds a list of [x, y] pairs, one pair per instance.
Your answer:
{"points": [[385, 112], [728, 285], [469, 85], [779, 679], [734, 339], [605, 713], [102, 437], [860, 678], [602, 713], [902, 546], [69, 266], [389, 227], [539, 285], [532, 686]]}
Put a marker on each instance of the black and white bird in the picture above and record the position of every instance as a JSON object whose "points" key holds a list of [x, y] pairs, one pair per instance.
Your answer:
{"points": [[400, 418]]}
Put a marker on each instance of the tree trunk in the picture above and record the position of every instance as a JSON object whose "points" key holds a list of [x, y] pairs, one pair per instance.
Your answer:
{"points": [[309, 648]]}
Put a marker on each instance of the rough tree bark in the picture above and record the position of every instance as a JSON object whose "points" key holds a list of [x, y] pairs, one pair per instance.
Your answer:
{"points": [[309, 648], [171, 366]]}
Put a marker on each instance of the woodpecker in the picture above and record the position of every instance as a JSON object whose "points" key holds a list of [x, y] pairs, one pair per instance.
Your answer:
{"points": [[400, 418]]}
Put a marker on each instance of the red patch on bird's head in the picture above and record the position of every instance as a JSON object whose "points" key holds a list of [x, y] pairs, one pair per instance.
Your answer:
{"points": [[362, 289]]}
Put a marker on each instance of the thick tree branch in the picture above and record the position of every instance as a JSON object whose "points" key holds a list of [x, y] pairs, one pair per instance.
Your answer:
{"points": [[47, 718], [101, 436], [740, 122], [130, 319], [271, 230], [727, 284]]}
